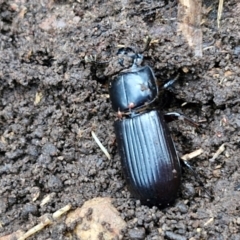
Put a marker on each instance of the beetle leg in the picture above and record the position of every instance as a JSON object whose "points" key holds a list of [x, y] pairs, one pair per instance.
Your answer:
{"points": [[173, 116], [169, 84], [119, 114], [94, 67], [197, 177]]}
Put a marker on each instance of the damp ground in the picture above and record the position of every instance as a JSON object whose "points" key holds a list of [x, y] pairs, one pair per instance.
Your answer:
{"points": [[51, 102]]}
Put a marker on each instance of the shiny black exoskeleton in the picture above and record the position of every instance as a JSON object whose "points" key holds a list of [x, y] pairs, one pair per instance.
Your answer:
{"points": [[149, 160]]}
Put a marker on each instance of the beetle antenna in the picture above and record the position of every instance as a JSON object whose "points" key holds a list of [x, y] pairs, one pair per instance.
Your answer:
{"points": [[93, 69], [169, 84], [196, 175]]}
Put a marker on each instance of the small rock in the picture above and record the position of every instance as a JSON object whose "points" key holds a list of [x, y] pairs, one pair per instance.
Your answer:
{"points": [[188, 190], [48, 23], [174, 236], [38, 132], [137, 233], [49, 149], [15, 154], [182, 207], [14, 235], [44, 160], [98, 218], [29, 209], [5, 168], [54, 184], [217, 173], [195, 224], [32, 150], [3, 205]]}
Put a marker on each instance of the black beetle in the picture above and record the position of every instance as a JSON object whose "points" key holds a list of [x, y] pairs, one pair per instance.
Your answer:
{"points": [[149, 160]]}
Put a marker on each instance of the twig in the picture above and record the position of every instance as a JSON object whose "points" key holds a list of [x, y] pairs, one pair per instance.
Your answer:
{"points": [[208, 222], [100, 145], [191, 155], [218, 152], [46, 220], [189, 18], [219, 15], [61, 211]]}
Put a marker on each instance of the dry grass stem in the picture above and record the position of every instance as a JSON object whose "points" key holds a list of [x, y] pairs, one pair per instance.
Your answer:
{"points": [[100, 145], [46, 220], [189, 19], [219, 15], [191, 155], [218, 152]]}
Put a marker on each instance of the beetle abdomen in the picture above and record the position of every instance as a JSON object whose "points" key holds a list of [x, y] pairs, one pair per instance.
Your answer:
{"points": [[149, 160]]}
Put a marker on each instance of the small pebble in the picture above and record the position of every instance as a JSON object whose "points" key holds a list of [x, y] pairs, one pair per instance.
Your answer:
{"points": [[217, 173], [29, 209], [49, 149], [188, 190], [137, 233], [54, 184], [3, 205], [174, 236], [182, 207]]}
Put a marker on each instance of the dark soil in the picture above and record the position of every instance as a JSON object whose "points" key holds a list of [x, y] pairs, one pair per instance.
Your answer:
{"points": [[50, 103]]}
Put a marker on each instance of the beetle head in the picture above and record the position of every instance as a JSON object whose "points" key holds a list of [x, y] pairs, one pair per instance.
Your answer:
{"points": [[128, 52]]}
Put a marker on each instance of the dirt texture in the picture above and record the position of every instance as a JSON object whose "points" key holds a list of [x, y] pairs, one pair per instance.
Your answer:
{"points": [[51, 101]]}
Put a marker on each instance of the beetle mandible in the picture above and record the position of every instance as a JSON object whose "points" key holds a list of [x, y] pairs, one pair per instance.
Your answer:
{"points": [[148, 156]]}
